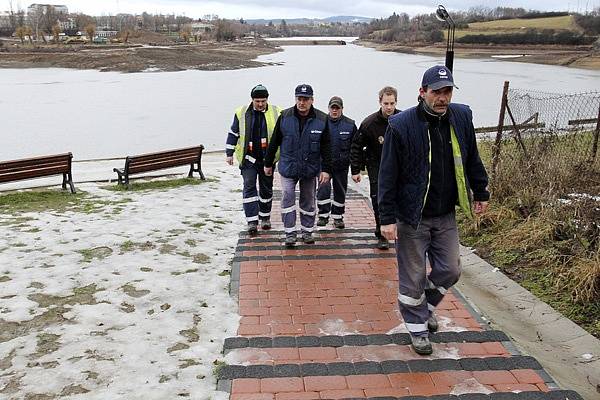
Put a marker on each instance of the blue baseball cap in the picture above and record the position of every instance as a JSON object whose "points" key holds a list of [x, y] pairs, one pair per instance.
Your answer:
{"points": [[304, 90], [437, 77]]}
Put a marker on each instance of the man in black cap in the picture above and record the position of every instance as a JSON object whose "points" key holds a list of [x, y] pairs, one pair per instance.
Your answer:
{"points": [[248, 140], [341, 131], [302, 138], [429, 164], [366, 150]]}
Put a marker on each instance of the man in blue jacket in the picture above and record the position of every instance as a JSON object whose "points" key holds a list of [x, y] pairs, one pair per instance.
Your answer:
{"points": [[430, 164], [341, 130], [247, 140], [302, 138]]}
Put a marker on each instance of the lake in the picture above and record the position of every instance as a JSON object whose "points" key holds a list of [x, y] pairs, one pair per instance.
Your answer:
{"points": [[107, 114]]}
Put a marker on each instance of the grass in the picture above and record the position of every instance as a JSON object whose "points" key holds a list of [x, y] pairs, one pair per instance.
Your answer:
{"points": [[158, 184], [516, 25], [52, 200]]}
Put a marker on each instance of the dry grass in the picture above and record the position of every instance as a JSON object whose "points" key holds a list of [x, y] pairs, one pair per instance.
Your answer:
{"points": [[566, 22], [543, 226]]}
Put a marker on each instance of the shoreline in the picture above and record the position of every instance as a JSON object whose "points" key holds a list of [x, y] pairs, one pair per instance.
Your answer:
{"points": [[150, 57], [565, 56]]}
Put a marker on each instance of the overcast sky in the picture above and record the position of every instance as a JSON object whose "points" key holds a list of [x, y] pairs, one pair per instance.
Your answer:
{"points": [[270, 9]]}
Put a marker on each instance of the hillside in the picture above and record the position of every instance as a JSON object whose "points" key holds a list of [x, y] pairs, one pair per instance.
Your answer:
{"points": [[344, 19], [564, 23]]}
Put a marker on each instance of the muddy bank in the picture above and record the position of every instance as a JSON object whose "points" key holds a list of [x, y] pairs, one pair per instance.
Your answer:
{"points": [[137, 58], [567, 56]]}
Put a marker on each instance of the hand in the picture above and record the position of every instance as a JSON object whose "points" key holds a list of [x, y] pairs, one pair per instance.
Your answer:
{"points": [[356, 178], [268, 171], [389, 232], [480, 207], [323, 178], [229, 160]]}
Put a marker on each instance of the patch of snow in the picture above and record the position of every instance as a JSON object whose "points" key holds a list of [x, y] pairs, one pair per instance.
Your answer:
{"points": [[469, 386], [141, 322], [335, 327]]}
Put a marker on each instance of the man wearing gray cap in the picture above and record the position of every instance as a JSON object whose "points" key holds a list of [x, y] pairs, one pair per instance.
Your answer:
{"points": [[247, 140], [301, 136], [341, 131], [429, 165]]}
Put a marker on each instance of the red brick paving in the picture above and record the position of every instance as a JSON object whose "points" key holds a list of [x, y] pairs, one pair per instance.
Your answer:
{"points": [[347, 295]]}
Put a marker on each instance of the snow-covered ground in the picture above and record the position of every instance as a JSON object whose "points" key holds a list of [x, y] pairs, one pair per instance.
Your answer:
{"points": [[128, 301]]}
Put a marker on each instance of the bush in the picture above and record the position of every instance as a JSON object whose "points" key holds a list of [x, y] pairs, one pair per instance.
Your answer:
{"points": [[532, 36]]}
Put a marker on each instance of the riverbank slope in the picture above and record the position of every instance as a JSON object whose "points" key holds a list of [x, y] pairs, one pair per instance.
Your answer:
{"points": [[567, 56], [147, 57]]}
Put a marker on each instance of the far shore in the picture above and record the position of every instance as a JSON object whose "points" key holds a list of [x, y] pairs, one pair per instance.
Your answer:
{"points": [[566, 56], [140, 57], [213, 56]]}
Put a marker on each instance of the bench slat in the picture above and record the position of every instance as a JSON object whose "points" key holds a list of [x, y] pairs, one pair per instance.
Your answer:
{"points": [[31, 173], [151, 166], [19, 168], [161, 160], [35, 161], [151, 156]]}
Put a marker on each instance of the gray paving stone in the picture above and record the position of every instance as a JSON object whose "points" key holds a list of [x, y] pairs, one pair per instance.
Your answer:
{"points": [[367, 367], [527, 362], [332, 341], [260, 342], [355, 340], [473, 364], [232, 372], [401, 338], [286, 370], [394, 366], [314, 369], [445, 364], [532, 396], [473, 396], [564, 395], [284, 341], [419, 365], [308, 341], [502, 363], [235, 343], [341, 368], [445, 337], [259, 371], [379, 340]]}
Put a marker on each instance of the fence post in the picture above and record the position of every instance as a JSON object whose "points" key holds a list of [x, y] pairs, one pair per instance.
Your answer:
{"points": [[596, 134], [497, 143]]}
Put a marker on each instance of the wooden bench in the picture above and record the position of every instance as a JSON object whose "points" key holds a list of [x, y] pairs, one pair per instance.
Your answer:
{"points": [[38, 167], [191, 156]]}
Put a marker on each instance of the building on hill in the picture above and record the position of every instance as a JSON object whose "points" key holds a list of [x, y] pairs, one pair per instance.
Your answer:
{"points": [[43, 8]]}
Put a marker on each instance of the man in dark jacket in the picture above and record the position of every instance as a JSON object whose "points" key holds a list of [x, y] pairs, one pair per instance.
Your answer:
{"points": [[302, 138], [430, 164], [341, 130], [247, 140], [366, 150]]}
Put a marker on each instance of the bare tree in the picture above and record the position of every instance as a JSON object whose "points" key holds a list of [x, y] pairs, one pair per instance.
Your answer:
{"points": [[186, 32], [56, 30], [90, 31], [20, 32]]}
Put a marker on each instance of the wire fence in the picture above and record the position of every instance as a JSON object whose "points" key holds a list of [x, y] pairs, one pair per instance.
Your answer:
{"points": [[546, 145]]}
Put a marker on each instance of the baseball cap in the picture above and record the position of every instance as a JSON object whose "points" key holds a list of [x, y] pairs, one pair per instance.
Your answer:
{"points": [[336, 101], [304, 90], [259, 92], [438, 77]]}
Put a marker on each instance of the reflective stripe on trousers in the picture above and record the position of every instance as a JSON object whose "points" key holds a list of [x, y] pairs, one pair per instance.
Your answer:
{"points": [[339, 181], [306, 203], [436, 240], [256, 203]]}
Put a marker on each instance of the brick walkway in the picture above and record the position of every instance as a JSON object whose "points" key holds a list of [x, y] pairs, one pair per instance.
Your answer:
{"points": [[321, 322]]}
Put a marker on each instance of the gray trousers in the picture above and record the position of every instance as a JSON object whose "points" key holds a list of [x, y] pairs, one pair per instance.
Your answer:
{"points": [[436, 239], [307, 203]]}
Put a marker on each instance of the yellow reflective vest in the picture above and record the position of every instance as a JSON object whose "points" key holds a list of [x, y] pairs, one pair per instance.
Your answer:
{"points": [[271, 114]]}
